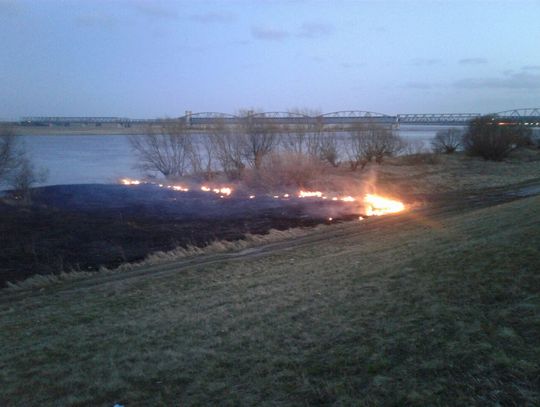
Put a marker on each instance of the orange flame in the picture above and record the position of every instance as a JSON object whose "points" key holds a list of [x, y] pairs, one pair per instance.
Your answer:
{"points": [[225, 191], [377, 205], [180, 188], [129, 181], [219, 191], [310, 194]]}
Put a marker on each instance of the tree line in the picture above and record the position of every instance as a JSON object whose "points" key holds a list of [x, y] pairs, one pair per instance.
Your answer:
{"points": [[175, 150], [255, 145]]}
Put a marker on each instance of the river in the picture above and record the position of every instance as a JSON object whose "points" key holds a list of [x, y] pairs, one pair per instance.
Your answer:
{"points": [[71, 159]]}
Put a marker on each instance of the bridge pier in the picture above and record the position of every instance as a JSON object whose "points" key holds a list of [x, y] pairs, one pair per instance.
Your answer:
{"points": [[188, 118]]}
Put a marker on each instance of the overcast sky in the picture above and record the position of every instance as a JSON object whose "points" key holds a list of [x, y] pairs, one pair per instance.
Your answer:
{"points": [[160, 58]]}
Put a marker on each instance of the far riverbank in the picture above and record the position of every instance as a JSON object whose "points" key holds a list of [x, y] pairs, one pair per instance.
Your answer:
{"points": [[103, 130]]}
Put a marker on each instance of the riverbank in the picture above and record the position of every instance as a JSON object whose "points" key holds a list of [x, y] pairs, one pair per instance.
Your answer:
{"points": [[84, 227]]}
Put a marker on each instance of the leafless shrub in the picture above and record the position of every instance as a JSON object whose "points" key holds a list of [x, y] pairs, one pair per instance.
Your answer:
{"points": [[294, 138], [447, 141], [490, 140], [260, 139], [227, 144], [371, 141], [303, 137], [385, 143], [359, 150], [11, 153], [203, 157], [167, 149], [24, 177], [327, 147]]}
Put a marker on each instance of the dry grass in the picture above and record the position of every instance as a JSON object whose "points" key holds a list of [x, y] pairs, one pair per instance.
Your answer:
{"points": [[405, 310], [431, 173], [458, 172]]}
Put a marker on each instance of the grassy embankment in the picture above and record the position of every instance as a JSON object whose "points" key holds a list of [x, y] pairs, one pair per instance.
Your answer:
{"points": [[422, 308]]}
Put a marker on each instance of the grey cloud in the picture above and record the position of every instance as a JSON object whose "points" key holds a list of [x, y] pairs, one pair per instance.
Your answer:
{"points": [[269, 34], [425, 61], [212, 17], [315, 30], [531, 68], [473, 61], [516, 81], [155, 10]]}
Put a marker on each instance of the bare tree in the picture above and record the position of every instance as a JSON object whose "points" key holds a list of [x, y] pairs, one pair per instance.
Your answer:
{"points": [[203, 156], [491, 141], [10, 153], [359, 149], [167, 149], [311, 139], [24, 178], [328, 148], [293, 138], [302, 137], [371, 141], [386, 143], [260, 139], [447, 141], [228, 148]]}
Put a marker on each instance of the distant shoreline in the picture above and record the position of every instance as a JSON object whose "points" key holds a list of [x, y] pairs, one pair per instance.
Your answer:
{"points": [[112, 130], [78, 130]]}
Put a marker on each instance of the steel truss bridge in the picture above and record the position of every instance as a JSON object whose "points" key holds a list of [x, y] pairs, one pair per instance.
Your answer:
{"points": [[528, 117]]}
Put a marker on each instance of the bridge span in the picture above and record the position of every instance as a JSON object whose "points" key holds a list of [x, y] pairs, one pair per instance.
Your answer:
{"points": [[528, 117]]}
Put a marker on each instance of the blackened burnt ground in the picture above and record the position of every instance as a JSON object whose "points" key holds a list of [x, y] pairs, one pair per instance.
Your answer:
{"points": [[83, 227]]}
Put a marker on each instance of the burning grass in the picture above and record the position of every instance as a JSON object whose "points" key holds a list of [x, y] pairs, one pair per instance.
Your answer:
{"points": [[417, 309], [85, 227], [370, 204]]}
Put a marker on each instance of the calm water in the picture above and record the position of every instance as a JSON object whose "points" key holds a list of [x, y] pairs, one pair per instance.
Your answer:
{"points": [[105, 159], [81, 159]]}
